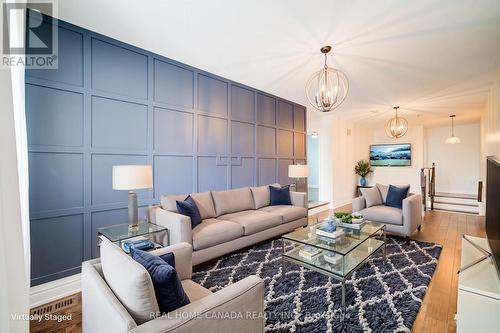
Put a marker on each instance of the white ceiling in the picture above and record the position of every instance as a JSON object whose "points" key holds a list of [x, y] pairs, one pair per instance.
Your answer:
{"points": [[430, 57]]}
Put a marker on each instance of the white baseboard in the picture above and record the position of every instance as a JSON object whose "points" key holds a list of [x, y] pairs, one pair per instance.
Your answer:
{"points": [[54, 290], [342, 204], [318, 210]]}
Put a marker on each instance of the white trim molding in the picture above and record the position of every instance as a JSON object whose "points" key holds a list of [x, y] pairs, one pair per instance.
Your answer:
{"points": [[54, 290]]}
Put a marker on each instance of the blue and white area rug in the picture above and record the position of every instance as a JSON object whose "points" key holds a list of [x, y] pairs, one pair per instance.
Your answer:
{"points": [[379, 297]]}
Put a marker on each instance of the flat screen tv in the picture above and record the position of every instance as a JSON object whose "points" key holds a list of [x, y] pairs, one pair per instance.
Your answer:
{"points": [[390, 154], [493, 207]]}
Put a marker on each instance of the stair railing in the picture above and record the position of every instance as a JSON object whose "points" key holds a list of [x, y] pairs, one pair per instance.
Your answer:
{"points": [[428, 185]]}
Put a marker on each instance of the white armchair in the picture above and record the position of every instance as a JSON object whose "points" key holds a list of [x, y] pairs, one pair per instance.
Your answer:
{"points": [[399, 221], [103, 312]]}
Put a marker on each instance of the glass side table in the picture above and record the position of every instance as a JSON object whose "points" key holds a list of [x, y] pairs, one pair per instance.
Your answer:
{"points": [[120, 232]]}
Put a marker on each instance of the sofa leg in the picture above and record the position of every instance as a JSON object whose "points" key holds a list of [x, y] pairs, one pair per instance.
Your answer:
{"points": [[407, 239], [419, 227]]}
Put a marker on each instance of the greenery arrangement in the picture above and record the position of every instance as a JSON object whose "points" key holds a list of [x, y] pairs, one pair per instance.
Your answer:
{"points": [[340, 215], [347, 217], [362, 168]]}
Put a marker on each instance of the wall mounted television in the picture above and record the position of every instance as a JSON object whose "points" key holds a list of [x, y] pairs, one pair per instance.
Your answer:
{"points": [[493, 208], [390, 154]]}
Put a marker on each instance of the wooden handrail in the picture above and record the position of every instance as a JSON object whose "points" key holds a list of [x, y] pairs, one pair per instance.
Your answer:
{"points": [[480, 191]]}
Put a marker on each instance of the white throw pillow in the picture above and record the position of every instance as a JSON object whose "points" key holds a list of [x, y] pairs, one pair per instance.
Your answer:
{"points": [[383, 191], [372, 196], [130, 282]]}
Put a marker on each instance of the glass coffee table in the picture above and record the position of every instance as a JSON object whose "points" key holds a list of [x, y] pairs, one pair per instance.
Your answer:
{"points": [[337, 258]]}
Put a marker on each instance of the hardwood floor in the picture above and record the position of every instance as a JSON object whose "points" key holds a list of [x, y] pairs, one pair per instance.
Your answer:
{"points": [[437, 313]]}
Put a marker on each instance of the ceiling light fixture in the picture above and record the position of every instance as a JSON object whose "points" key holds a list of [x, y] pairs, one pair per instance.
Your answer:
{"points": [[328, 87], [397, 126], [452, 139]]}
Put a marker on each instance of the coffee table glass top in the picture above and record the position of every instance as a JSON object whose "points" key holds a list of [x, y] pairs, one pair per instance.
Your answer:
{"points": [[342, 245]]}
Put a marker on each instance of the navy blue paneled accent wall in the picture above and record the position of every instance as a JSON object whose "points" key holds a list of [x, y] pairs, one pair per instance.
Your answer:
{"points": [[111, 103]]}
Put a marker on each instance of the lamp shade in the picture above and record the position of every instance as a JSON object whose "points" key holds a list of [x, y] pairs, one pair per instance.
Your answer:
{"points": [[298, 171], [132, 177], [453, 140]]}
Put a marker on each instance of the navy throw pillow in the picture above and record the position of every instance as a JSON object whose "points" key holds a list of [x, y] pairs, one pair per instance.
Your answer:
{"points": [[168, 288], [280, 195], [188, 207], [169, 258], [396, 195]]}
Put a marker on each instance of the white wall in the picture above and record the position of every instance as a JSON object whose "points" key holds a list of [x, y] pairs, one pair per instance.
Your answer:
{"points": [[14, 281], [401, 175], [341, 144], [491, 121], [457, 165]]}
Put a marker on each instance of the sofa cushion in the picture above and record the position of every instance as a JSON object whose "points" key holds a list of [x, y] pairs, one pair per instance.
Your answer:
{"points": [[396, 195], [261, 195], [194, 290], [279, 195], [213, 232], [168, 288], [287, 213], [253, 221], [188, 208], [232, 200], [372, 196], [203, 201], [130, 282], [383, 214]]}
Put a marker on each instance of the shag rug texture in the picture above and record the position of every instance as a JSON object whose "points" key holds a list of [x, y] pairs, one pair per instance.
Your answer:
{"points": [[380, 297]]}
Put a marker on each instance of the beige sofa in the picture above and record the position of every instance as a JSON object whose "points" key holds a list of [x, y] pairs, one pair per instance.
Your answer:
{"points": [[398, 221], [232, 220], [118, 296]]}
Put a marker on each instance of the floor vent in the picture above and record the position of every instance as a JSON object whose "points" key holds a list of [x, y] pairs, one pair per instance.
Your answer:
{"points": [[65, 308], [55, 306]]}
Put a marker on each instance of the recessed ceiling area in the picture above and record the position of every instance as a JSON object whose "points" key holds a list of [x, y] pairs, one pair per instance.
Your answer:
{"points": [[430, 57]]}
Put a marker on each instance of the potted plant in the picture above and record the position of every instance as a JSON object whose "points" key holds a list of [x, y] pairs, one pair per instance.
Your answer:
{"points": [[362, 169]]}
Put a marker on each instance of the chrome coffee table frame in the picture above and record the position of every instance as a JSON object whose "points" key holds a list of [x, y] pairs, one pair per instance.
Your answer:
{"points": [[339, 277]]}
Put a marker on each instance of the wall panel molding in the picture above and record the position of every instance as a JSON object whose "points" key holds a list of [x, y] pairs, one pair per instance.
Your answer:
{"points": [[112, 103]]}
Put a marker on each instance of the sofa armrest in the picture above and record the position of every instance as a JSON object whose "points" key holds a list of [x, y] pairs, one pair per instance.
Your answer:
{"points": [[244, 299], [358, 204], [101, 310], [183, 253], [412, 213], [179, 226], [299, 199]]}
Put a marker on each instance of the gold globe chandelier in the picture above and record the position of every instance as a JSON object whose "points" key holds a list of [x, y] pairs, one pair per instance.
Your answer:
{"points": [[397, 126], [328, 87]]}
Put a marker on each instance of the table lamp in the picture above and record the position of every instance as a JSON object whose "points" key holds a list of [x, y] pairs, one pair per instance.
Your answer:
{"points": [[132, 177], [297, 171]]}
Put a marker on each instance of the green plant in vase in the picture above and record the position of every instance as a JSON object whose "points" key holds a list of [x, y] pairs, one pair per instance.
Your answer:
{"points": [[362, 168]]}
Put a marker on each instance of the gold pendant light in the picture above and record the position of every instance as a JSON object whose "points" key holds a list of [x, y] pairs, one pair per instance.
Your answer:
{"points": [[328, 87], [397, 126]]}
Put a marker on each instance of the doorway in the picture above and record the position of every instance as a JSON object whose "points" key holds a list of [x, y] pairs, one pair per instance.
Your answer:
{"points": [[313, 163]]}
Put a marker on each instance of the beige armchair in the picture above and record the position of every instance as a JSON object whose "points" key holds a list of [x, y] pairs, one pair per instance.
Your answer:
{"points": [[104, 312], [403, 221]]}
